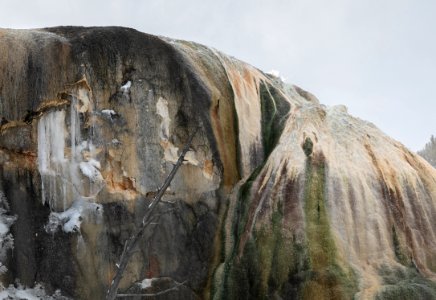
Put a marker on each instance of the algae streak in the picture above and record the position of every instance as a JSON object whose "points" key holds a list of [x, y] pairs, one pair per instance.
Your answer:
{"points": [[326, 280]]}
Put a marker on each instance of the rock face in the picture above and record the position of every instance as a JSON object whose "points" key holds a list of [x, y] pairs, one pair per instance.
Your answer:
{"points": [[280, 196]]}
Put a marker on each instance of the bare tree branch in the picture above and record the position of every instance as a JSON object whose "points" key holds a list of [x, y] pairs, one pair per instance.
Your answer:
{"points": [[153, 294], [148, 218]]}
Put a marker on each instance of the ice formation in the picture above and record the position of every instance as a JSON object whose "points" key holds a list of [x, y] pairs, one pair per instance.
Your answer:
{"points": [[69, 169], [56, 170]]}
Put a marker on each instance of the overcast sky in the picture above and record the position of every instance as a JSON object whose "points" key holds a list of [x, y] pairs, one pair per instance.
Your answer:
{"points": [[378, 57]]}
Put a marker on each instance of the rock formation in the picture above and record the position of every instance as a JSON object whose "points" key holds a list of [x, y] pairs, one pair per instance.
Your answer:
{"points": [[280, 197]]}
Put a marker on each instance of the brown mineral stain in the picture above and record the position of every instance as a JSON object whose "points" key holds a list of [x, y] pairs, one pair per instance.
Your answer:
{"points": [[222, 119], [208, 168], [24, 160]]}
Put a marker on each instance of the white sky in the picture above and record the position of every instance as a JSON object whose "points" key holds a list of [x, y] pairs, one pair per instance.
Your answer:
{"points": [[378, 57]]}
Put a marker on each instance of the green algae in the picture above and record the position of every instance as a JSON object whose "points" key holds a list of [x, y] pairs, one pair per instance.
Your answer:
{"points": [[263, 268], [265, 261], [238, 273], [275, 255], [328, 279], [398, 249], [272, 264], [274, 108], [405, 284]]}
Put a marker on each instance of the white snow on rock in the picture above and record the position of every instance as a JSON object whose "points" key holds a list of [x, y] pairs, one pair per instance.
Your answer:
{"points": [[6, 238], [108, 112], [276, 73], [91, 169], [71, 219], [125, 88], [116, 142], [24, 293], [3, 228], [146, 283]]}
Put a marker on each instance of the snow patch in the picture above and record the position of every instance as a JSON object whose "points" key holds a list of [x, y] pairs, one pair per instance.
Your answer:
{"points": [[109, 112], [91, 169], [116, 142], [125, 88], [71, 219], [23, 293], [276, 73], [6, 238], [3, 228], [146, 283]]}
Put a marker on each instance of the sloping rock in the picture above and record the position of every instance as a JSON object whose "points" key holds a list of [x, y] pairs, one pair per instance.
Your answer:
{"points": [[280, 197]]}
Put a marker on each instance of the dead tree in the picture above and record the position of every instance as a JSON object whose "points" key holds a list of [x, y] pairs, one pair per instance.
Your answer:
{"points": [[149, 218]]}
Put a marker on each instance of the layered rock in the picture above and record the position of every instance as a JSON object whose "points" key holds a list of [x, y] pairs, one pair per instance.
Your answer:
{"points": [[279, 196]]}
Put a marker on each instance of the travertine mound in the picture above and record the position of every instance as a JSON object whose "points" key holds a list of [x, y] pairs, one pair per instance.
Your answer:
{"points": [[280, 197]]}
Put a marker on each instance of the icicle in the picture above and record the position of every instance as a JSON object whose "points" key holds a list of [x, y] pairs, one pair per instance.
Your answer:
{"points": [[63, 177], [51, 147]]}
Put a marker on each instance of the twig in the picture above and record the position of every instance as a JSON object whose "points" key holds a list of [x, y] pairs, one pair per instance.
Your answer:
{"points": [[154, 294], [147, 220]]}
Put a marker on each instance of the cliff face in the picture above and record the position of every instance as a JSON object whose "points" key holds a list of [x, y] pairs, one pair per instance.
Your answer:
{"points": [[280, 196]]}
